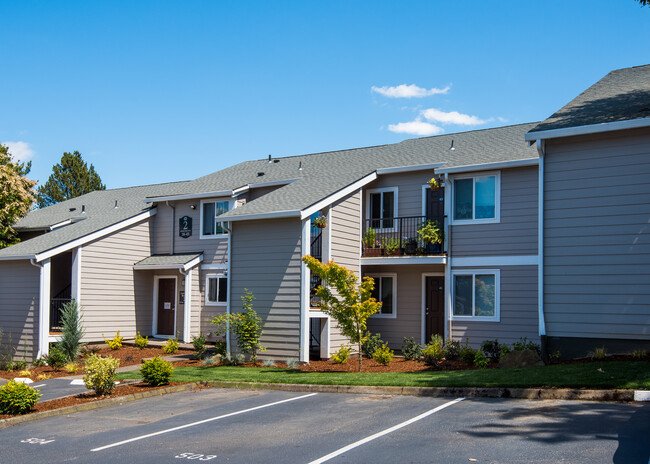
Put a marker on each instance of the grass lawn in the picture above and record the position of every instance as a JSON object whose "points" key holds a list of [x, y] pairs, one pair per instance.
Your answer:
{"points": [[624, 375]]}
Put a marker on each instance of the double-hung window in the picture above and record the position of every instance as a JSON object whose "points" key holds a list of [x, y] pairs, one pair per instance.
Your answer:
{"points": [[210, 210], [382, 207], [476, 295], [385, 291], [476, 199], [216, 289]]}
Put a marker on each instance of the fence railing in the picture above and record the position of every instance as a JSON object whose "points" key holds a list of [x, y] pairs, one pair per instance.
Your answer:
{"points": [[399, 236], [56, 305]]}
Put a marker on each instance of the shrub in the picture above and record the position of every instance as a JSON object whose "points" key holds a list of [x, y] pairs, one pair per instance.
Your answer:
{"points": [[268, 363], [71, 368], [156, 371], [116, 342], [234, 359], [292, 363], [467, 353], [16, 365], [17, 398], [505, 349], [525, 344], [491, 349], [55, 358], [555, 356], [411, 350], [140, 341], [342, 355], [598, 353], [198, 341], [434, 351], [100, 374], [39, 362], [208, 361], [383, 355], [480, 360], [639, 354], [25, 373], [72, 333], [372, 343], [43, 376], [171, 346], [220, 347], [452, 349]]}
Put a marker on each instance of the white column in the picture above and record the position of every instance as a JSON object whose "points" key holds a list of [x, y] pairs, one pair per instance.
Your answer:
{"points": [[75, 287], [187, 307], [325, 342], [304, 292], [44, 309]]}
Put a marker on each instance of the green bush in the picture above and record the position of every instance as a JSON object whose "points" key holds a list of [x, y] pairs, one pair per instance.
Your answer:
{"points": [[411, 350], [433, 352], [637, 354], [140, 341], [598, 353], [491, 349], [383, 355], [220, 347], [555, 357], [100, 374], [116, 342], [480, 360], [72, 333], [171, 346], [342, 355], [15, 365], [467, 353], [292, 363], [525, 344], [39, 362], [156, 371], [505, 349], [198, 342], [372, 343], [452, 349], [17, 398], [269, 363], [55, 357], [234, 359]]}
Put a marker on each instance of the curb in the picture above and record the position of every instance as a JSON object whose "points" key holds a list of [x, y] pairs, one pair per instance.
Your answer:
{"points": [[95, 404], [466, 392]]}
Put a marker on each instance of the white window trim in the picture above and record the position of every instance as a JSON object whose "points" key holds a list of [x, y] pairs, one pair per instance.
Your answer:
{"points": [[379, 315], [497, 199], [395, 191], [207, 279], [497, 294], [231, 206]]}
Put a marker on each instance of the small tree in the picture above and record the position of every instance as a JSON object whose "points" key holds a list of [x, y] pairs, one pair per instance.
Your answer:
{"points": [[69, 179], [246, 325], [352, 305], [16, 195], [71, 329]]}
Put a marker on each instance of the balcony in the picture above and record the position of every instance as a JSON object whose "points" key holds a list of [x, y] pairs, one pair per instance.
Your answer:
{"points": [[402, 236]]}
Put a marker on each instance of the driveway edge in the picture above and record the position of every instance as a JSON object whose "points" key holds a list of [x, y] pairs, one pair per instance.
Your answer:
{"points": [[94, 405], [466, 392]]}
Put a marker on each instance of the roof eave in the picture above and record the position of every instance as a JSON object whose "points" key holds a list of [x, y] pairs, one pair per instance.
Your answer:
{"points": [[587, 129]]}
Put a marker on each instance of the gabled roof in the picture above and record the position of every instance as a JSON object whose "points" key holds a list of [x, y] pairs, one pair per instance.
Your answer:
{"points": [[182, 261], [622, 95]]}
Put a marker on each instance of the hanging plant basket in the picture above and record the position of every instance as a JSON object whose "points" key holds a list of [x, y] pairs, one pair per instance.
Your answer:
{"points": [[436, 183], [320, 222]]}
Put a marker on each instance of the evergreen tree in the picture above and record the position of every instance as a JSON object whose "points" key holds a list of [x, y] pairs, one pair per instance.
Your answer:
{"points": [[16, 195], [69, 179]]}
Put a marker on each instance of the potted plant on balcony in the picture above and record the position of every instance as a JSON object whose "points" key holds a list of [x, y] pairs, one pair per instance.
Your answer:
{"points": [[410, 246], [320, 222], [436, 183], [430, 233], [390, 246], [371, 245]]}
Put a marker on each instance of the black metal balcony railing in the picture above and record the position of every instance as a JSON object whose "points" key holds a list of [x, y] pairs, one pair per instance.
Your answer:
{"points": [[399, 236], [56, 305], [316, 250]]}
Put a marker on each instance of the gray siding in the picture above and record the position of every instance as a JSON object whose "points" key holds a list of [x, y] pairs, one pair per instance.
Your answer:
{"points": [[109, 284], [19, 287], [596, 236], [266, 260], [517, 232], [202, 314], [519, 315], [409, 193]]}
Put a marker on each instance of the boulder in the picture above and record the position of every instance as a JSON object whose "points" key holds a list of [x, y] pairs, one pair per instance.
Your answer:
{"points": [[522, 358]]}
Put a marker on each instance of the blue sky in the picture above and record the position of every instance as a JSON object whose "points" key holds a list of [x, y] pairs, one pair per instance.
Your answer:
{"points": [[162, 91]]}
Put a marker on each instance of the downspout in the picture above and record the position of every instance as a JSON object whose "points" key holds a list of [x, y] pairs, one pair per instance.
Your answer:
{"points": [[229, 282], [43, 306], [187, 304], [541, 150], [447, 246], [173, 225]]}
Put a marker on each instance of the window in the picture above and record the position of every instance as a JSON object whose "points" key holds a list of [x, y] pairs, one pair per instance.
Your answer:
{"points": [[210, 210], [476, 295], [476, 199], [382, 203], [216, 290], [385, 291]]}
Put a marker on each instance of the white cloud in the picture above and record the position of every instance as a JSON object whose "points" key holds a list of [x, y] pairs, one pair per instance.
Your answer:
{"points": [[20, 151], [451, 117], [417, 127], [408, 91]]}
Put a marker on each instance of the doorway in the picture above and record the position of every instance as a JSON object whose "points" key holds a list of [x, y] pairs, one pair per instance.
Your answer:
{"points": [[166, 306], [434, 307]]}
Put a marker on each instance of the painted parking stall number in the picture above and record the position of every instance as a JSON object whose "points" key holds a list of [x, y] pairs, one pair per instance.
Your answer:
{"points": [[200, 457], [37, 441]]}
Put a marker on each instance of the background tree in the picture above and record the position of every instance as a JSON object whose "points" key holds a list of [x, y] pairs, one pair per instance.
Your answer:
{"points": [[16, 195], [352, 305], [69, 179]]}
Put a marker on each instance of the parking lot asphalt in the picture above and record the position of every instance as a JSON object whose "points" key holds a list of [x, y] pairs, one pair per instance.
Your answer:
{"points": [[242, 426]]}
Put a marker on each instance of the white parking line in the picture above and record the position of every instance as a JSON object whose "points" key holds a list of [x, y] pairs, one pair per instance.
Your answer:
{"points": [[142, 437], [40, 385], [345, 449]]}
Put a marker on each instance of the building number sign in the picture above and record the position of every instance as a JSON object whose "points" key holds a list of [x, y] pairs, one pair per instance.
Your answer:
{"points": [[185, 227]]}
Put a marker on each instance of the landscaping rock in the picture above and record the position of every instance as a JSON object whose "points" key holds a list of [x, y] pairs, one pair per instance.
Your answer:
{"points": [[522, 358]]}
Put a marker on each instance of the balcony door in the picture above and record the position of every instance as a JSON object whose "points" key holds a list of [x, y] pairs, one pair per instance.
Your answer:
{"points": [[435, 204], [434, 309]]}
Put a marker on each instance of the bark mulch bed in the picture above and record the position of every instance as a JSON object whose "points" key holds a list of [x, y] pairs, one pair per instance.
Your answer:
{"points": [[89, 397], [128, 356], [396, 365]]}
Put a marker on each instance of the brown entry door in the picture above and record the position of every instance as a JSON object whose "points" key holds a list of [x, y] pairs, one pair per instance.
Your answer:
{"points": [[435, 308], [166, 306]]}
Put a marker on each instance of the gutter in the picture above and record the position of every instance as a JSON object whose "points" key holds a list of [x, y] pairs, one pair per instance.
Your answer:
{"points": [[541, 150], [587, 129], [229, 282]]}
